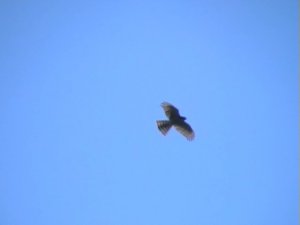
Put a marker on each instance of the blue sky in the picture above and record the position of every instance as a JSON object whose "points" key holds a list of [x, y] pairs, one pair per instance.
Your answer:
{"points": [[81, 87]]}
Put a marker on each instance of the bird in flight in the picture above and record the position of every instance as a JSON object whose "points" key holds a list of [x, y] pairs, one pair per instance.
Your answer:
{"points": [[174, 120]]}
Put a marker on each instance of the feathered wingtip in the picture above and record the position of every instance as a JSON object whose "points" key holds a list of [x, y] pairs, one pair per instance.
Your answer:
{"points": [[165, 104]]}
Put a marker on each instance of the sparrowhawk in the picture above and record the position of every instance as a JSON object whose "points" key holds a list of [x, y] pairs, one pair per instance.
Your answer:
{"points": [[174, 120]]}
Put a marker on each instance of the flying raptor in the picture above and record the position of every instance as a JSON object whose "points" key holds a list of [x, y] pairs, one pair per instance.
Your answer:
{"points": [[174, 120]]}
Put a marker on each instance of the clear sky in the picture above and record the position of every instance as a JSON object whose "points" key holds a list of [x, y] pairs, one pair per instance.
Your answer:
{"points": [[81, 84]]}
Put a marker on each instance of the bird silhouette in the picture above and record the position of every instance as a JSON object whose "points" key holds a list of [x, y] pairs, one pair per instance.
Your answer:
{"points": [[174, 120]]}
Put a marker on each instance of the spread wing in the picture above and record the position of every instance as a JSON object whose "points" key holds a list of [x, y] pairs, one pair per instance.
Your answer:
{"points": [[185, 129], [170, 110]]}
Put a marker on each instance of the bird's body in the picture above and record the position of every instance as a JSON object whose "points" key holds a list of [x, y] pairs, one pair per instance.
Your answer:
{"points": [[174, 120]]}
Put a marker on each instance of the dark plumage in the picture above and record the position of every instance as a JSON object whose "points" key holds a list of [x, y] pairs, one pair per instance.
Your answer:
{"points": [[174, 120]]}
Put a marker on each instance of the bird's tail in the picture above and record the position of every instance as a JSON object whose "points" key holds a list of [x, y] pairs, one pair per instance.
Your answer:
{"points": [[164, 126]]}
